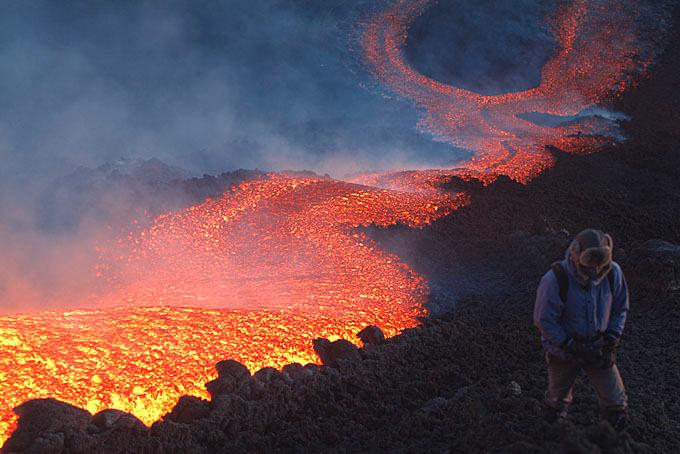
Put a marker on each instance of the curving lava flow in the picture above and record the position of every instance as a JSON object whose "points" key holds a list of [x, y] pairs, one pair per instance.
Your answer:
{"points": [[260, 271], [599, 52], [279, 256]]}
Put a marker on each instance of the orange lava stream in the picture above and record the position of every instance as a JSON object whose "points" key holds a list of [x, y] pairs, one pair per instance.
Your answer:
{"points": [[257, 273], [279, 256], [224, 252], [596, 44]]}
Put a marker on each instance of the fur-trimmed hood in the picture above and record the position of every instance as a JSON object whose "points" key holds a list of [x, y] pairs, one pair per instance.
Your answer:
{"points": [[590, 256], [569, 265]]}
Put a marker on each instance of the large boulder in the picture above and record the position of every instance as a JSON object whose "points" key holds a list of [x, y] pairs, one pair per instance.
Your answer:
{"points": [[45, 425], [332, 352], [296, 371], [270, 375], [188, 409], [232, 378], [655, 265], [111, 419], [232, 369], [371, 335]]}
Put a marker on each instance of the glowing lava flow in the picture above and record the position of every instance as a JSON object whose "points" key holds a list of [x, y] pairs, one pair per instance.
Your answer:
{"points": [[281, 253], [280, 256], [599, 51], [224, 252]]}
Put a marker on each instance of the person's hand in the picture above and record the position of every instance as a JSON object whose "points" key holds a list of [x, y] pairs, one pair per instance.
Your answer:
{"points": [[611, 339], [608, 358], [611, 343], [587, 353]]}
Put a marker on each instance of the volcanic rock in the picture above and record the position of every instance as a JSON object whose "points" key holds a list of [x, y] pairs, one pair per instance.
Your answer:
{"points": [[233, 406], [188, 409], [434, 405], [513, 389], [116, 419], [269, 375], [232, 378], [371, 335], [105, 419], [537, 246], [460, 393], [44, 424], [655, 265], [231, 369], [330, 352], [313, 368], [48, 443], [296, 371]]}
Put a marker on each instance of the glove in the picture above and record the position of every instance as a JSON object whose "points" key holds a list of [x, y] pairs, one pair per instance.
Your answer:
{"points": [[587, 354], [611, 339], [611, 344]]}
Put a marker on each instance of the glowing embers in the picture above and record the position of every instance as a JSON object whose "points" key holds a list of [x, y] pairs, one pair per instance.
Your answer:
{"points": [[597, 44], [280, 253], [279, 242], [142, 360]]}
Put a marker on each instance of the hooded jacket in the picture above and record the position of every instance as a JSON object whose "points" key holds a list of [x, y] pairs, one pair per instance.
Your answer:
{"points": [[590, 308]]}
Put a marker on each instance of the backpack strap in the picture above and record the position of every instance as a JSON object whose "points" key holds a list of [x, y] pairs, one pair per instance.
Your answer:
{"points": [[562, 279], [610, 278]]}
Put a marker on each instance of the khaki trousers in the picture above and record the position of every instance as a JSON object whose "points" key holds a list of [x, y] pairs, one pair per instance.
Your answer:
{"points": [[561, 377]]}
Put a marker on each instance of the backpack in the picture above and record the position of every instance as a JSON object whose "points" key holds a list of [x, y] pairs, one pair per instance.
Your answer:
{"points": [[563, 280]]}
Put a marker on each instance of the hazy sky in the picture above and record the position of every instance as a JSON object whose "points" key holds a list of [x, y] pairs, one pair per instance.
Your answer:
{"points": [[215, 85]]}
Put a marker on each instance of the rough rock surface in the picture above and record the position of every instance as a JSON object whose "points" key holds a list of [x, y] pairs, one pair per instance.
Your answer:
{"points": [[47, 425], [371, 335], [232, 377], [188, 409], [655, 265], [115, 419], [331, 353]]}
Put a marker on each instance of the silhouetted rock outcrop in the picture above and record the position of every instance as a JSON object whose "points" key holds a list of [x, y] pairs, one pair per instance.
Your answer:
{"points": [[655, 265], [232, 378], [188, 409], [332, 352], [371, 335], [48, 425], [111, 419]]}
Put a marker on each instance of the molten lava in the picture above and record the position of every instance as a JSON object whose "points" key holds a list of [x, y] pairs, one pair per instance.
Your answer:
{"points": [[257, 273], [224, 252], [280, 256], [598, 55]]}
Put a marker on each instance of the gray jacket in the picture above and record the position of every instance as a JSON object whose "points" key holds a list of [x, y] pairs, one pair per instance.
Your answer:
{"points": [[589, 309]]}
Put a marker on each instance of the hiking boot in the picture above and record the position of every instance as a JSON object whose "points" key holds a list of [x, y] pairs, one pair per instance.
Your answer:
{"points": [[552, 415], [618, 420]]}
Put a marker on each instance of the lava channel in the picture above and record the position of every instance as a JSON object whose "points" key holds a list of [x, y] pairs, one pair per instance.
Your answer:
{"points": [[602, 47], [280, 257]]}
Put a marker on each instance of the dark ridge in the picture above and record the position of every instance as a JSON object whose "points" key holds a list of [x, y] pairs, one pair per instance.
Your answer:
{"points": [[111, 196]]}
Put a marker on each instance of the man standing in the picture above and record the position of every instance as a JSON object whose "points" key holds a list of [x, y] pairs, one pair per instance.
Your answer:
{"points": [[580, 310]]}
